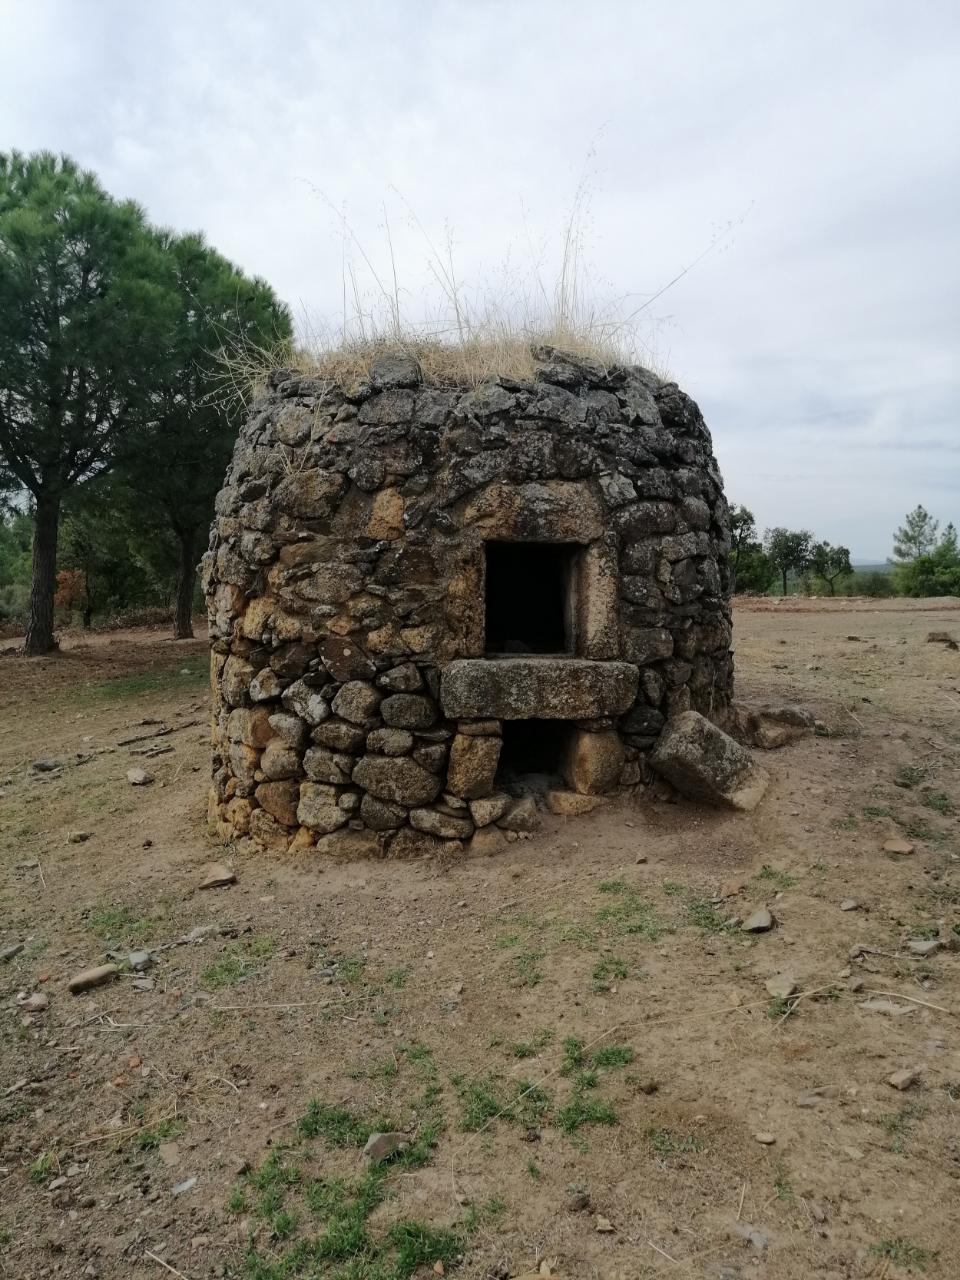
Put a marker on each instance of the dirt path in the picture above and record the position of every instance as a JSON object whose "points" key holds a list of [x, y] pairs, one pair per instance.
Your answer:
{"points": [[580, 1046]]}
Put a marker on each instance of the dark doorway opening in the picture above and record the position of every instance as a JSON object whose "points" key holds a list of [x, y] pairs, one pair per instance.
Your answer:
{"points": [[529, 607], [531, 757]]}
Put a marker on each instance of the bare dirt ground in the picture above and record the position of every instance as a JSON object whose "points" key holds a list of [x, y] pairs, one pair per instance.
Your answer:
{"points": [[577, 1041]]}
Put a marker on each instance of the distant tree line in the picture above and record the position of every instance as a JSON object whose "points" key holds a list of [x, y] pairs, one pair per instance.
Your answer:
{"points": [[925, 561], [114, 427]]}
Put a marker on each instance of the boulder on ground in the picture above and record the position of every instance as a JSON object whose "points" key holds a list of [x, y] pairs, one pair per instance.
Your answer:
{"points": [[705, 763], [769, 727]]}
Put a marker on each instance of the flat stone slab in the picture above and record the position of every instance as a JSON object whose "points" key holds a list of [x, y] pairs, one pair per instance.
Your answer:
{"points": [[536, 688]]}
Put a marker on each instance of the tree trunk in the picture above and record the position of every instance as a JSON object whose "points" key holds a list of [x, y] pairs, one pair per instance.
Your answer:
{"points": [[43, 586], [783, 574], [186, 582]]}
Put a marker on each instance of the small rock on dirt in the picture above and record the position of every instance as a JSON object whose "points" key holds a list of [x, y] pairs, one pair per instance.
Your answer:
{"points": [[764, 1138], [95, 977], [885, 1006], [47, 765], [755, 1238], [924, 946], [182, 1187], [603, 1225], [381, 1146], [35, 1003], [139, 777], [899, 848], [759, 922], [578, 1202], [849, 904], [8, 953], [215, 876], [781, 987], [142, 984], [78, 837], [140, 961], [904, 1078]]}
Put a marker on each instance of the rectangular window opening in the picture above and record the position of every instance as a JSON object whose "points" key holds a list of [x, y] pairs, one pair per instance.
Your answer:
{"points": [[532, 754], [530, 589]]}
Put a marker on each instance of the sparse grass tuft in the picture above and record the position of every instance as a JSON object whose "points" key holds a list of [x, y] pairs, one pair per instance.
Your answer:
{"points": [[666, 1143], [903, 1252]]}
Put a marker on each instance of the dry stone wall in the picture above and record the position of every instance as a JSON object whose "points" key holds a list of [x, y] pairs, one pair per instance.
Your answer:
{"points": [[368, 541]]}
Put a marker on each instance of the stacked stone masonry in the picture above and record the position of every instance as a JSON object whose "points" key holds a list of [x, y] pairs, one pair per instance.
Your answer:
{"points": [[364, 669]]}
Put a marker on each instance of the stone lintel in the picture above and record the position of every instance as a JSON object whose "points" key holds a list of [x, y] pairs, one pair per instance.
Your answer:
{"points": [[536, 688]]}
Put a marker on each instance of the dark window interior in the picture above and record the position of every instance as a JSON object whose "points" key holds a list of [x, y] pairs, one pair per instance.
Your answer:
{"points": [[527, 597], [532, 752]]}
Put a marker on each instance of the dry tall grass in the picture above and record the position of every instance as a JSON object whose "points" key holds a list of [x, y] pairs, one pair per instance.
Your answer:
{"points": [[464, 334]]}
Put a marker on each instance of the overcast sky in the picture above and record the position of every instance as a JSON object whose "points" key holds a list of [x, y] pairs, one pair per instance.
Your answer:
{"points": [[821, 335]]}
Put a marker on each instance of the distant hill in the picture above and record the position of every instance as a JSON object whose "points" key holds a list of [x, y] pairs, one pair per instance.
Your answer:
{"points": [[878, 566]]}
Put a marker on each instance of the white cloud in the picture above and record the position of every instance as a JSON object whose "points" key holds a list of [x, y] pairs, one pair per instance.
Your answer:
{"points": [[821, 338]]}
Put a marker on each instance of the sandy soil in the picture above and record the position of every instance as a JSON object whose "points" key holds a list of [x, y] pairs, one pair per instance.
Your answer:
{"points": [[155, 1132]]}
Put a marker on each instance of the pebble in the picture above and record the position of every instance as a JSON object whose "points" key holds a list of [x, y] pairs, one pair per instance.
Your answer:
{"points": [[759, 922], [885, 1006], [381, 1146], [96, 977], [78, 837], [903, 1079], [35, 1003], [139, 777], [924, 946], [604, 1225], [46, 766], [849, 904], [142, 984], [8, 953], [215, 875], [578, 1202], [140, 961], [781, 987], [765, 1139], [182, 1187], [898, 847]]}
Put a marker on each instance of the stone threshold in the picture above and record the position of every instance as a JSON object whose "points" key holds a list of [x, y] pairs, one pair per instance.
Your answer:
{"points": [[540, 688]]}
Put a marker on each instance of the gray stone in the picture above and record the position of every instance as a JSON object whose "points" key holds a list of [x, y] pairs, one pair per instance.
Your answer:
{"points": [[357, 702], [924, 946], [381, 1146], [437, 823], [290, 729], [139, 777], [402, 679], [390, 742], [488, 809], [521, 816], [322, 765], [215, 875], [394, 370], [400, 780], [705, 763], [140, 961], [9, 953], [318, 808], [381, 815], [265, 686], [279, 760], [306, 702], [541, 688], [408, 711], [340, 736], [87, 979], [759, 921]]}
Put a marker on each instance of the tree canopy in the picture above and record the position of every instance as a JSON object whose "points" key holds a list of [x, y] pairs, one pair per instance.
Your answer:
{"points": [[110, 338]]}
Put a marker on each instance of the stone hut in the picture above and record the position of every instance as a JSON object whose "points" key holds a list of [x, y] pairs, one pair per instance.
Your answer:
{"points": [[433, 608]]}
